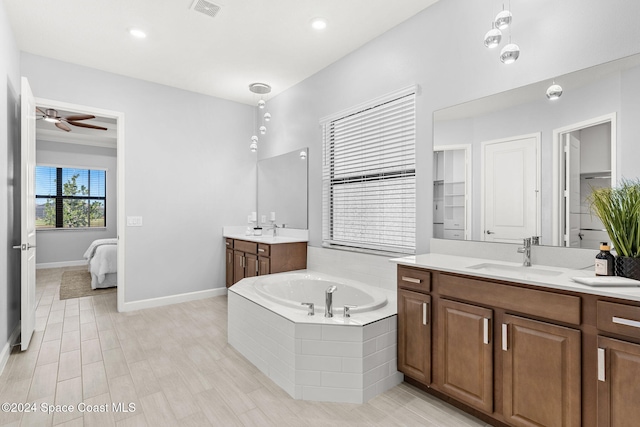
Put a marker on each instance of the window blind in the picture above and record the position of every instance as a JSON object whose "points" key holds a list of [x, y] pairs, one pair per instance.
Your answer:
{"points": [[369, 177]]}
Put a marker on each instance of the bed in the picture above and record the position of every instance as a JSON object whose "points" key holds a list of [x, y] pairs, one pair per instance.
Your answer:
{"points": [[102, 257]]}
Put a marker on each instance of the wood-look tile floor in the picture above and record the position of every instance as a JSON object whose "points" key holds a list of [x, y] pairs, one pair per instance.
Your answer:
{"points": [[174, 364]]}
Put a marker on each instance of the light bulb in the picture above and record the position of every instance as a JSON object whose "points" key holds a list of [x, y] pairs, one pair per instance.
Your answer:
{"points": [[253, 147], [263, 129], [510, 53], [254, 139], [554, 91], [267, 117], [503, 19], [261, 103], [492, 38]]}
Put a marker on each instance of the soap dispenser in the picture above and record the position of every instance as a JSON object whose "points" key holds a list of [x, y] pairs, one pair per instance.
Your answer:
{"points": [[604, 261]]}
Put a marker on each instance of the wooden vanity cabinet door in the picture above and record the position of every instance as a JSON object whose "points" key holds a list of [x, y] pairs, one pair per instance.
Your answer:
{"points": [[414, 335], [229, 267], [251, 265], [238, 266], [264, 265], [618, 383], [465, 353], [541, 373]]}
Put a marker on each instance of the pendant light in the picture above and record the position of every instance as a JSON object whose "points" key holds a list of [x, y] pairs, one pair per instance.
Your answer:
{"points": [[503, 19], [493, 37], [259, 89], [554, 91], [510, 53]]}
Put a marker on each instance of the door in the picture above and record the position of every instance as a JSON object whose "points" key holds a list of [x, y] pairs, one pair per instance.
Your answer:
{"points": [[465, 353], [572, 191], [251, 265], [238, 266], [541, 373], [28, 215], [414, 335], [618, 386], [510, 189]]}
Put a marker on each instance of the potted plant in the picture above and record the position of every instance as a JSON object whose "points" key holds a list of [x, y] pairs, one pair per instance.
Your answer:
{"points": [[619, 210]]}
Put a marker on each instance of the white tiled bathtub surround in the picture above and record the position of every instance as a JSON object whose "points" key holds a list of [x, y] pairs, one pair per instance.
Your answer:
{"points": [[339, 359]]}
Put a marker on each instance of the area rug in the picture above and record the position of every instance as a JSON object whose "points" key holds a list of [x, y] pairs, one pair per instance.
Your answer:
{"points": [[77, 283]]}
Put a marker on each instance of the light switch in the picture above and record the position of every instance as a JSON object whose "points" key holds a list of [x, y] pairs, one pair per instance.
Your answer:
{"points": [[264, 219], [134, 221]]}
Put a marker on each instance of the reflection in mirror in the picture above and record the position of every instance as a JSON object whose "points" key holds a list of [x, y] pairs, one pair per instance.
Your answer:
{"points": [[282, 190], [534, 178]]}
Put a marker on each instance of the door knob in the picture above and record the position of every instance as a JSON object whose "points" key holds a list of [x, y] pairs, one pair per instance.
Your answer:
{"points": [[490, 232]]}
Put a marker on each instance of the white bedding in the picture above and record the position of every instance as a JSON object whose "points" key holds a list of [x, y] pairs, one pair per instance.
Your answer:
{"points": [[102, 256]]}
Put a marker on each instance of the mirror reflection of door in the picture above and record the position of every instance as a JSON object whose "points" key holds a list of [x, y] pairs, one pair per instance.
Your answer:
{"points": [[587, 165], [510, 189]]}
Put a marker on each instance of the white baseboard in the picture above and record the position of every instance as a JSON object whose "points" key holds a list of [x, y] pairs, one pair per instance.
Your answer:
{"points": [[173, 299], [6, 350], [61, 264]]}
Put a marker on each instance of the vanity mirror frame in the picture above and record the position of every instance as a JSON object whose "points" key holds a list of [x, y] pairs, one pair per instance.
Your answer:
{"points": [[284, 189]]}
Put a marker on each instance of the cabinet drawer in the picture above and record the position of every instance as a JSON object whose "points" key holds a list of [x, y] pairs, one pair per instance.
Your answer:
{"points": [[411, 278], [228, 243], [454, 224], [264, 249], [620, 319], [454, 234], [563, 308], [244, 246]]}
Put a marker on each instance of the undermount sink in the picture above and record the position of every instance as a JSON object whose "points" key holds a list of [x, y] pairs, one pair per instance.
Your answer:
{"points": [[520, 269]]}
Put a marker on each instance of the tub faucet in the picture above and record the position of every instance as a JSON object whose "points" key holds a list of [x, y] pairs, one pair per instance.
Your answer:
{"points": [[525, 250], [328, 298]]}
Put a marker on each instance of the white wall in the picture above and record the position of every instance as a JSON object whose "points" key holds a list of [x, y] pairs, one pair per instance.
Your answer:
{"points": [[441, 50], [188, 172], [64, 245], [9, 188]]}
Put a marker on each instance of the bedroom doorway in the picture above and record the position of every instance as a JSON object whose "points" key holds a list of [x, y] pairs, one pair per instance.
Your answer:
{"points": [[78, 140]]}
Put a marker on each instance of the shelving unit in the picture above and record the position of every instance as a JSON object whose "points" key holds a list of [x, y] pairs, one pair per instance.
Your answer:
{"points": [[449, 194]]}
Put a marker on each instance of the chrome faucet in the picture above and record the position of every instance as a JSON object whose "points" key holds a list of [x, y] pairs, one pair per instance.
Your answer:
{"points": [[274, 227], [526, 251], [328, 299]]}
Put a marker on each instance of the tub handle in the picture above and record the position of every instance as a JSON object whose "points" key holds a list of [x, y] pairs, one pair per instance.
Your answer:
{"points": [[347, 307], [411, 279], [310, 308]]}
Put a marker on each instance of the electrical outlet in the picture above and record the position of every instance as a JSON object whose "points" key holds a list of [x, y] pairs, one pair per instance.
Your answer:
{"points": [[264, 219]]}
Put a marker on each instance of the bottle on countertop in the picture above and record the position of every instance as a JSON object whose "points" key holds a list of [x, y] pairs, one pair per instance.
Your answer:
{"points": [[604, 261]]}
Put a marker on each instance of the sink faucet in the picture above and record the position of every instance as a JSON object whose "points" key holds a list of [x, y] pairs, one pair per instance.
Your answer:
{"points": [[274, 227], [526, 251], [328, 298]]}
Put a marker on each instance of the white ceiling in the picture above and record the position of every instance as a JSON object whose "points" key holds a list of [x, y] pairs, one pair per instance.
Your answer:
{"points": [[247, 41]]}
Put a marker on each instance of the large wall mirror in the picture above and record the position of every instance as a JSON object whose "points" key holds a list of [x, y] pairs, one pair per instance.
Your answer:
{"points": [[282, 189], [517, 164]]}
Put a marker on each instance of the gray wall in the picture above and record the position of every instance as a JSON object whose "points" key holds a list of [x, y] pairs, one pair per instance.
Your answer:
{"points": [[441, 50], [188, 172], [65, 245], [9, 188]]}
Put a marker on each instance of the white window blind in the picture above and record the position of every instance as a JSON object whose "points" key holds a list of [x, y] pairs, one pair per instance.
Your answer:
{"points": [[369, 177]]}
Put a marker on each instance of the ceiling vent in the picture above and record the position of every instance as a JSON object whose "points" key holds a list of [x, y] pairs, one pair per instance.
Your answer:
{"points": [[205, 7]]}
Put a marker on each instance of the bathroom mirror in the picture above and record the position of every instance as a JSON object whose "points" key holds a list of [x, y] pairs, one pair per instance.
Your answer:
{"points": [[515, 178], [282, 189]]}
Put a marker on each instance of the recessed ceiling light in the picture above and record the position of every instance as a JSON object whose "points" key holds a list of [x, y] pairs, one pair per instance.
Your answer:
{"points": [[136, 32], [319, 23]]}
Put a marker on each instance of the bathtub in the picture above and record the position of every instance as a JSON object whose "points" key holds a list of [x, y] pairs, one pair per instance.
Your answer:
{"points": [[337, 359], [293, 289]]}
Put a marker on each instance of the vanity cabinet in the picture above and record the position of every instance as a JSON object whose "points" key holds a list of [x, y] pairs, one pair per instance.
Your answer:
{"points": [[249, 259], [618, 364], [508, 353]]}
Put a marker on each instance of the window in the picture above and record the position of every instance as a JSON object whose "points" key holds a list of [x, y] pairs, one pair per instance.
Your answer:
{"points": [[369, 176], [70, 198]]}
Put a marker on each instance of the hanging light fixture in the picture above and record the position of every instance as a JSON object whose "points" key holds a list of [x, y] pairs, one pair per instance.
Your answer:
{"points": [[554, 91], [503, 19], [259, 89], [510, 53], [303, 154], [493, 37]]}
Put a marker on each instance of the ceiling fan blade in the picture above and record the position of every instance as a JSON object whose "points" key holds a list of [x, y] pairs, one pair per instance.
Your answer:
{"points": [[84, 125], [79, 117], [40, 111], [62, 126]]}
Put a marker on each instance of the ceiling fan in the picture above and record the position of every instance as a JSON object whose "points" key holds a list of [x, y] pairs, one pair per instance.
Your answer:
{"points": [[50, 115]]}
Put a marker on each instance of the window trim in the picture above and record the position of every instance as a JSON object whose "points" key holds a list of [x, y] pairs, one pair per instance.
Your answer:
{"points": [[329, 180], [58, 198]]}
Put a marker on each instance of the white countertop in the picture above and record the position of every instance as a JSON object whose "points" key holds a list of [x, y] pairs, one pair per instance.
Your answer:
{"points": [[283, 235], [526, 275]]}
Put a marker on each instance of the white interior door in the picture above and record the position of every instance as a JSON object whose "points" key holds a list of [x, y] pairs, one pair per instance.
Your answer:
{"points": [[510, 189], [572, 191], [28, 215]]}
